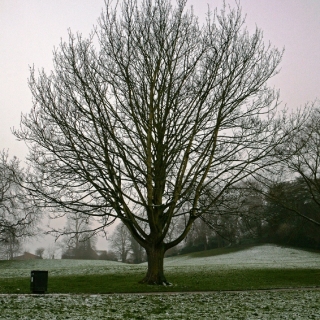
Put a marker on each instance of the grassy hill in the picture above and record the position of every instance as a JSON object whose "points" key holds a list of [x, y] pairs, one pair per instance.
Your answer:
{"points": [[264, 256], [259, 267]]}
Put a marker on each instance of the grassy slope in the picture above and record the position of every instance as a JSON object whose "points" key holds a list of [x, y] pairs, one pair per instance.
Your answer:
{"points": [[182, 278], [217, 251]]}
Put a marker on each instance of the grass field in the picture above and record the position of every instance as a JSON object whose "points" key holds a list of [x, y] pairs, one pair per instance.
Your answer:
{"points": [[216, 305], [263, 267]]}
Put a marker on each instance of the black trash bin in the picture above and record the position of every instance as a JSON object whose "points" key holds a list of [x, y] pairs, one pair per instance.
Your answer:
{"points": [[39, 281]]}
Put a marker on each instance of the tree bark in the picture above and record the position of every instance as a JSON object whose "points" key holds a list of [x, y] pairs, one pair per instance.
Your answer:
{"points": [[155, 274]]}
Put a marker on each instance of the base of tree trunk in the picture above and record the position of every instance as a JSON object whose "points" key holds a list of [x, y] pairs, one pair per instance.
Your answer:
{"points": [[156, 282], [155, 274]]}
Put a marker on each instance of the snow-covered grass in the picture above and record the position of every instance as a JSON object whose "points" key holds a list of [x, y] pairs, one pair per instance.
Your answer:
{"points": [[260, 257], [12, 269], [265, 256], [224, 305], [257, 264]]}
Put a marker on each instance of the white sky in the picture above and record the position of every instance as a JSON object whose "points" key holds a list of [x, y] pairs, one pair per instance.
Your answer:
{"points": [[29, 30]]}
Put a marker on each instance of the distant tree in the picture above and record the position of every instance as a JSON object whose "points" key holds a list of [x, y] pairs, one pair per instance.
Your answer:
{"points": [[121, 243], [237, 216], [125, 246], [85, 250], [252, 212], [304, 163], [138, 253], [39, 252], [18, 214], [137, 129], [11, 247], [283, 202], [198, 238], [223, 216], [51, 251], [78, 240], [108, 255]]}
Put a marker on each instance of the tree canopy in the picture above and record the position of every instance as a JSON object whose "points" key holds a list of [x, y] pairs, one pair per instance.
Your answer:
{"points": [[301, 168], [18, 215], [139, 120]]}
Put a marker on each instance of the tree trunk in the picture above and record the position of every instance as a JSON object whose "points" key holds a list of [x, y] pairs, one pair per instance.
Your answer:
{"points": [[155, 274]]}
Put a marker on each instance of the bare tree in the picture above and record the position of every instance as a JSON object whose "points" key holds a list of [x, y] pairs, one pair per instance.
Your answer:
{"points": [[78, 240], [121, 243], [51, 251], [39, 252], [199, 236], [138, 252], [18, 215], [137, 129], [125, 245], [11, 246], [298, 168], [291, 214], [305, 162]]}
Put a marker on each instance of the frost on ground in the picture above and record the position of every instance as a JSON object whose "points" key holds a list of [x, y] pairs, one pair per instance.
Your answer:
{"points": [[10, 269], [223, 305], [266, 256]]}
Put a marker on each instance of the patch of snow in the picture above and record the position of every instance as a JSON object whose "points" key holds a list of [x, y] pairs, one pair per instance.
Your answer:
{"points": [[63, 267], [264, 256], [223, 305]]}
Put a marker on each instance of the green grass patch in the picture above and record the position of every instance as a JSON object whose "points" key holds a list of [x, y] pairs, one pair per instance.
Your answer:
{"points": [[14, 285], [188, 273], [245, 279]]}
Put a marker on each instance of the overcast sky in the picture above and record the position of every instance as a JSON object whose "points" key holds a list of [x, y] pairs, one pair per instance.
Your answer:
{"points": [[30, 29]]}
